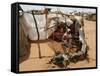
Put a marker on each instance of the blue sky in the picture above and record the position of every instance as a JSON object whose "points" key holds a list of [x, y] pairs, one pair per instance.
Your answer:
{"points": [[54, 8]]}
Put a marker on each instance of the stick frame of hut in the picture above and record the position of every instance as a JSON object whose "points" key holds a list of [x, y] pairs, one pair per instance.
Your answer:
{"points": [[46, 12]]}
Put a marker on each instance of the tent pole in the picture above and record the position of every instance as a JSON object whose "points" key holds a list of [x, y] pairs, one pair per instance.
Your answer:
{"points": [[46, 13], [37, 34]]}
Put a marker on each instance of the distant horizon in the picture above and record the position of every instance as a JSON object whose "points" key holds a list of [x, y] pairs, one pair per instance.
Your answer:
{"points": [[55, 8]]}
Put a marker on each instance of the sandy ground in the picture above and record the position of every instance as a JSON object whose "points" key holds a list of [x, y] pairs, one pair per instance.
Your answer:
{"points": [[47, 51]]}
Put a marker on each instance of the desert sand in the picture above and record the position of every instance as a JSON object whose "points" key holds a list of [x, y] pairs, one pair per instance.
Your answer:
{"points": [[47, 51]]}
